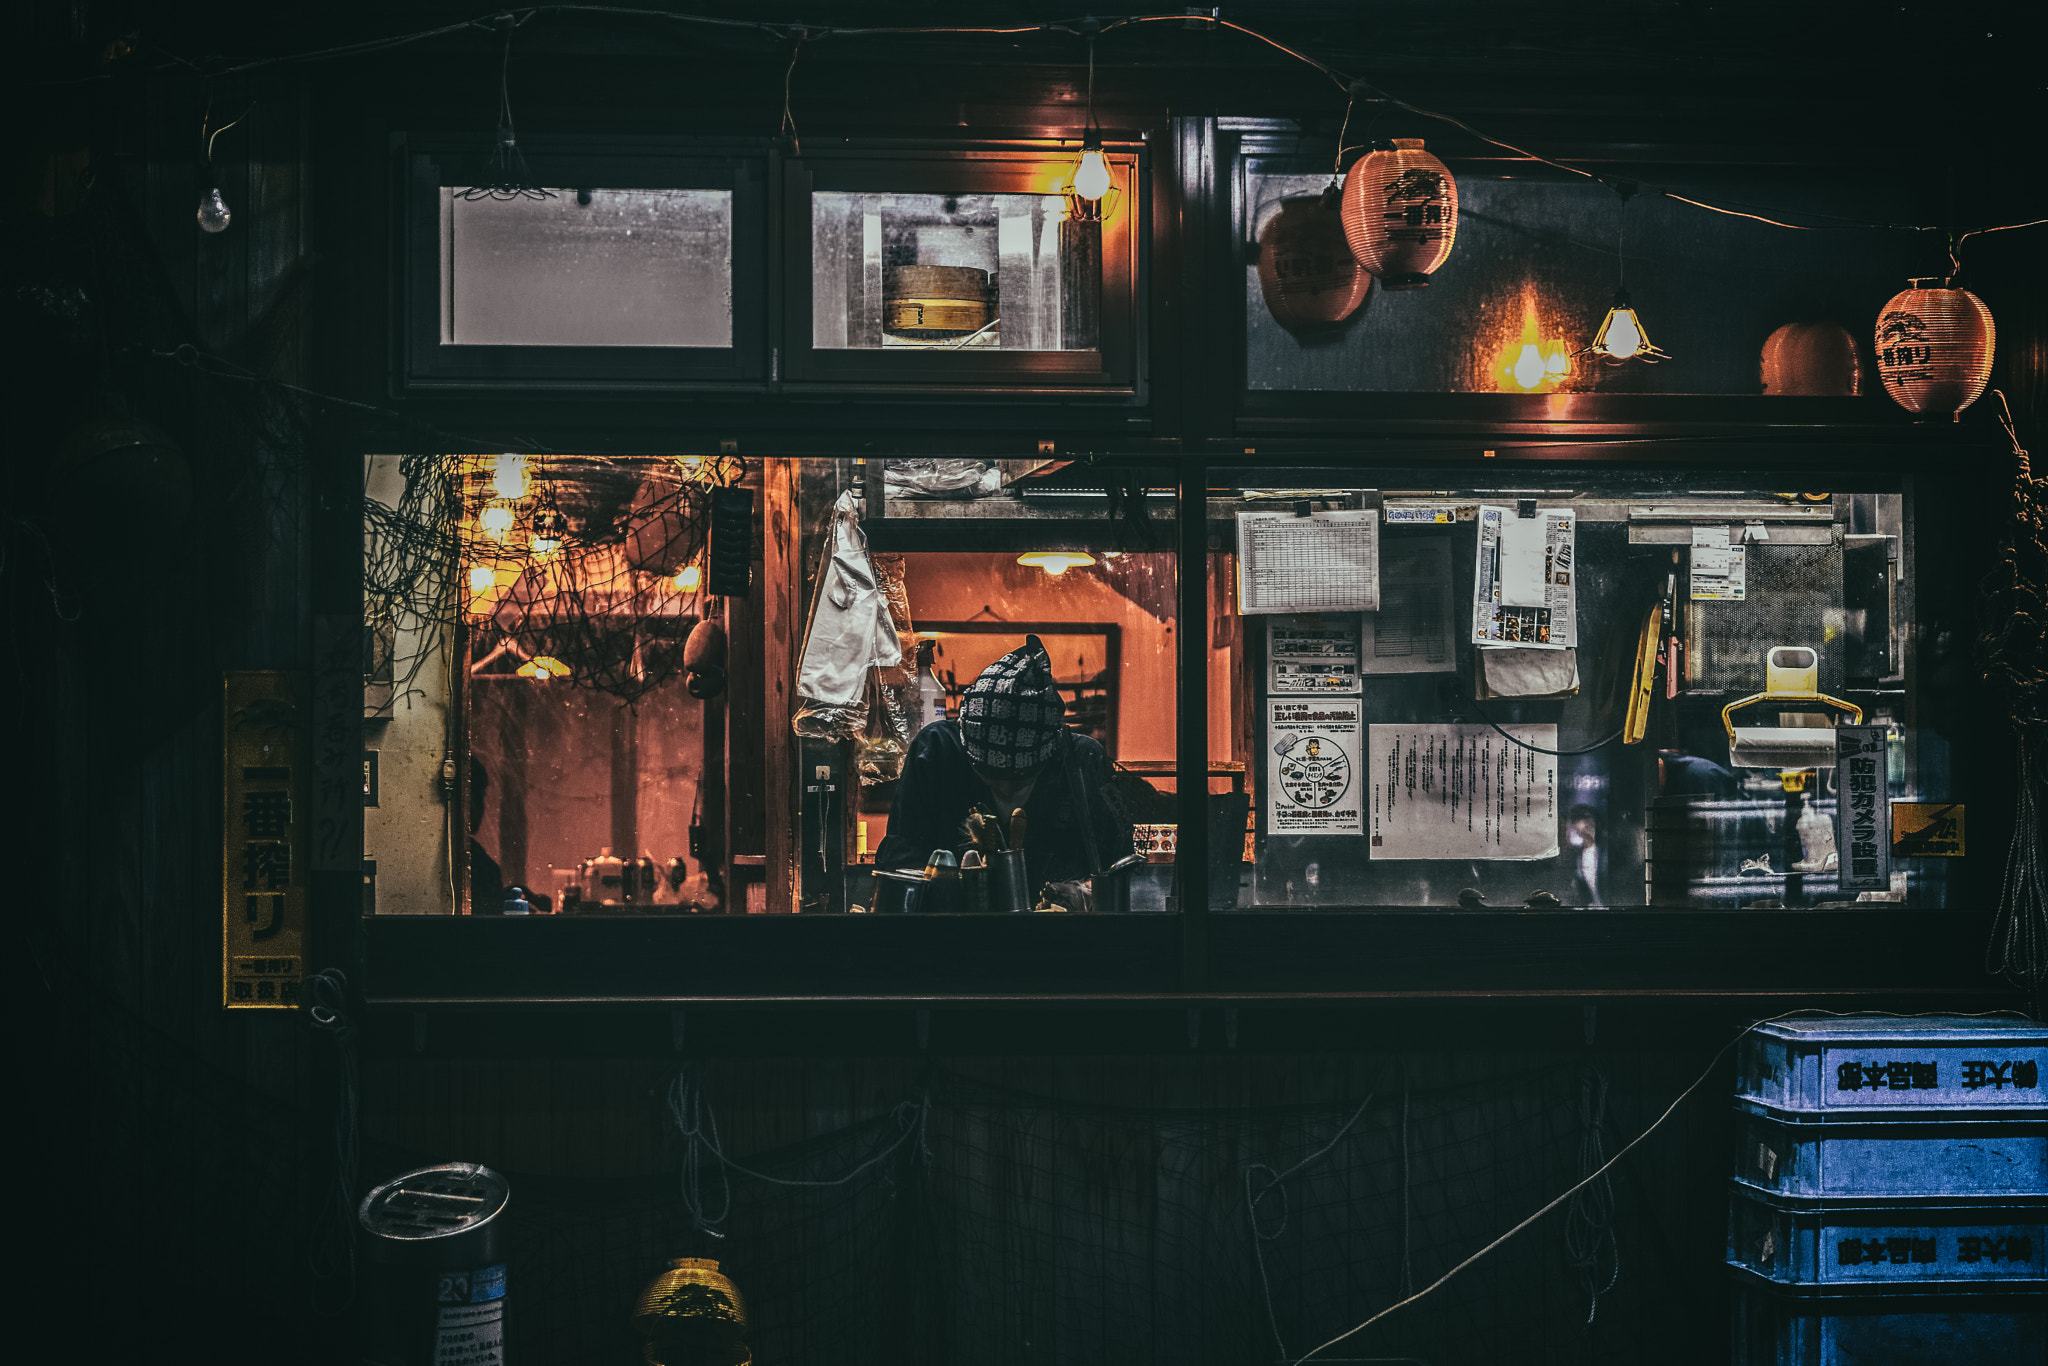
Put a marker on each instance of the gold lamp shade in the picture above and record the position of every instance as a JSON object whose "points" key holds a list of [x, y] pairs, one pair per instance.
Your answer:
{"points": [[691, 1315]]}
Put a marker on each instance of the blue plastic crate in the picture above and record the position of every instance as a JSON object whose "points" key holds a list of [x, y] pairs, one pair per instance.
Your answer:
{"points": [[1934, 1158], [1874, 1248], [1770, 1331], [1945, 1065]]}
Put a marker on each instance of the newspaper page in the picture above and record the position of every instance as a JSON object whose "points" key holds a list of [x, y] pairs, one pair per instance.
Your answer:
{"points": [[1463, 792], [1314, 753], [1324, 562], [1522, 588], [1312, 654], [1413, 631]]}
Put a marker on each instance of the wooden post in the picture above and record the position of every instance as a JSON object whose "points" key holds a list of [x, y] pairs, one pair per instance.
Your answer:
{"points": [[781, 637]]}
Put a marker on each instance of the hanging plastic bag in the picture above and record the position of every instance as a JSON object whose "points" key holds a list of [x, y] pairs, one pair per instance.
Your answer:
{"points": [[885, 741], [850, 633], [948, 478]]}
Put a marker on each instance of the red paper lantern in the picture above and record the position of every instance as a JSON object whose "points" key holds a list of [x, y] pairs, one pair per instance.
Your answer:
{"points": [[1812, 358], [1306, 269], [1934, 348], [1401, 214]]}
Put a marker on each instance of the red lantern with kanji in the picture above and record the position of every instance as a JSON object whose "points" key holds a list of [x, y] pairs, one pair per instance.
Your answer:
{"points": [[1934, 348], [1306, 269], [1401, 214], [1811, 358]]}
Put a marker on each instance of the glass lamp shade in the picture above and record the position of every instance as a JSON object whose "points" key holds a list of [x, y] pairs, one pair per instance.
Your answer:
{"points": [[1934, 348], [1811, 358], [691, 1313], [1401, 214], [1306, 270]]}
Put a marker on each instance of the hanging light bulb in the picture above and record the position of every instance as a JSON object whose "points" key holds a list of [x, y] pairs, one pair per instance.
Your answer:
{"points": [[1529, 370], [481, 578], [1621, 336], [688, 577], [509, 478], [496, 519], [1056, 562], [1091, 176], [213, 212], [1557, 364]]}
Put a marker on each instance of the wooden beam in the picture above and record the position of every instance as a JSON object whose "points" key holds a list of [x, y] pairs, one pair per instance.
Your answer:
{"points": [[782, 616]]}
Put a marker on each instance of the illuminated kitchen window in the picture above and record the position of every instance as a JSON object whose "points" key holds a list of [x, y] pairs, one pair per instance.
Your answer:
{"points": [[958, 272]]}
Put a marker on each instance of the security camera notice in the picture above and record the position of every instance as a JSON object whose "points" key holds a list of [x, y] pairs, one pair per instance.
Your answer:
{"points": [[1312, 766], [1463, 792]]}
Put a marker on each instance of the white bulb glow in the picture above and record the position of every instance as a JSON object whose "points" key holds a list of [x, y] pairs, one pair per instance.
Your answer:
{"points": [[1559, 363], [496, 519], [688, 577], [1091, 177], [213, 212], [481, 578], [1622, 337], [509, 478], [1529, 366]]}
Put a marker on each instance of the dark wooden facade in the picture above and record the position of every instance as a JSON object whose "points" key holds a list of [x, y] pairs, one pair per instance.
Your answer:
{"points": [[206, 1139]]}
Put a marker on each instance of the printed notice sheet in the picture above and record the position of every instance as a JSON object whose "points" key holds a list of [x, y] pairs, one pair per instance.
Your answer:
{"points": [[1312, 654], [1412, 633], [1324, 562], [1313, 760], [1462, 792], [1522, 590], [1719, 573]]}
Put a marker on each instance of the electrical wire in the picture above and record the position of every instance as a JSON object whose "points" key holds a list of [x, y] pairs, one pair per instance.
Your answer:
{"points": [[1538, 749], [783, 29]]}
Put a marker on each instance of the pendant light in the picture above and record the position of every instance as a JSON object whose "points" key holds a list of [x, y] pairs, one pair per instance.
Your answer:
{"points": [[1401, 214], [214, 214], [1621, 337], [1307, 273], [1090, 186], [1934, 347]]}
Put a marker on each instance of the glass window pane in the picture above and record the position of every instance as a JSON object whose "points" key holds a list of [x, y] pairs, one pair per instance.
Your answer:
{"points": [[934, 272], [1536, 266], [1036, 575], [587, 268], [559, 690], [1599, 689]]}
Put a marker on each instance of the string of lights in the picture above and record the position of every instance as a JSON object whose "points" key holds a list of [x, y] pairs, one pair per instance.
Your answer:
{"points": [[796, 34]]}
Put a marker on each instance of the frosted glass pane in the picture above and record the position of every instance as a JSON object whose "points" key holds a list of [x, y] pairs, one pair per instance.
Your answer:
{"points": [[1003, 272], [629, 268]]}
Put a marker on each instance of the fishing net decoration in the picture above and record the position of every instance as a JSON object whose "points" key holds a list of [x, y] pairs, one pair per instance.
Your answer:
{"points": [[584, 571], [969, 1221]]}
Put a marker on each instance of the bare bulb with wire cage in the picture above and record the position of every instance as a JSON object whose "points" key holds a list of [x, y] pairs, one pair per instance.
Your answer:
{"points": [[1091, 177], [213, 215]]}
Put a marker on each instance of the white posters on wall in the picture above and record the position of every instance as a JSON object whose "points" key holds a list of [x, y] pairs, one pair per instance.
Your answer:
{"points": [[1312, 654], [1314, 761], [1523, 591], [1462, 792]]}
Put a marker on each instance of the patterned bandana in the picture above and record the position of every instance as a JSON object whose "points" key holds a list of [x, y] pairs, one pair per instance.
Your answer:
{"points": [[1012, 718]]}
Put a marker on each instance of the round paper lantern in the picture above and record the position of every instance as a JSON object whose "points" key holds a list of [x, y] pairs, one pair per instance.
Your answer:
{"points": [[1812, 358], [1934, 348], [1401, 214], [1306, 269]]}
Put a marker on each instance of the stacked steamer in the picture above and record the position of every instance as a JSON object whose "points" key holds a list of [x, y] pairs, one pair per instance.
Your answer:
{"points": [[1890, 1201]]}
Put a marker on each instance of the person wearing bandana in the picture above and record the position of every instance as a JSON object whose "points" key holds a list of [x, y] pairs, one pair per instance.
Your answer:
{"points": [[1010, 750]]}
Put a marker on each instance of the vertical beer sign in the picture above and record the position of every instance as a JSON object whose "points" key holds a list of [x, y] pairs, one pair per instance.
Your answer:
{"points": [[263, 841]]}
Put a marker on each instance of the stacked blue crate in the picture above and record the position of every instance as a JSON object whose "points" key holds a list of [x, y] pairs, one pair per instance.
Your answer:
{"points": [[1890, 1198]]}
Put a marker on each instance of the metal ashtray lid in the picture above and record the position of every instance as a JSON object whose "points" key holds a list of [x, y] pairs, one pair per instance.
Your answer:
{"points": [[432, 1203]]}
